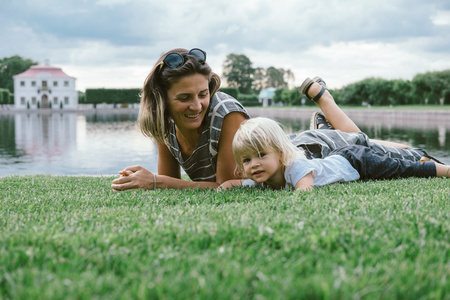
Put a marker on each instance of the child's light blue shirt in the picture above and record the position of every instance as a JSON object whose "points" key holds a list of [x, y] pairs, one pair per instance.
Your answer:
{"points": [[331, 169]]}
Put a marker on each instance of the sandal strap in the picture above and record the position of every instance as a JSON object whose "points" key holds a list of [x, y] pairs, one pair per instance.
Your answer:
{"points": [[317, 97], [306, 89]]}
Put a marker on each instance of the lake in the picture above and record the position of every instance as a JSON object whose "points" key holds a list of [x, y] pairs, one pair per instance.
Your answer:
{"points": [[104, 142]]}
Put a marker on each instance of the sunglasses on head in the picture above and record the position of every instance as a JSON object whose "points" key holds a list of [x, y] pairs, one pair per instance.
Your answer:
{"points": [[174, 60]]}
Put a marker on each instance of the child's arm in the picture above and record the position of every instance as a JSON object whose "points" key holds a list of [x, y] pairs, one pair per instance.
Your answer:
{"points": [[306, 183], [230, 183]]}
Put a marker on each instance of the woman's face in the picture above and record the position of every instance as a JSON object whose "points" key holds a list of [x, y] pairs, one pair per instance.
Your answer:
{"points": [[188, 101]]}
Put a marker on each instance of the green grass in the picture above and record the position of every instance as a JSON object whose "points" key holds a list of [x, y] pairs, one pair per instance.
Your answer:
{"points": [[73, 238]]}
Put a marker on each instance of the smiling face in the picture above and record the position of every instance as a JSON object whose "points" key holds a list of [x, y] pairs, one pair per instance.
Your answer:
{"points": [[188, 101], [264, 167]]}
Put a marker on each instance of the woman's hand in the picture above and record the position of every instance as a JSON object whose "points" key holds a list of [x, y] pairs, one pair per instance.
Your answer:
{"points": [[135, 177]]}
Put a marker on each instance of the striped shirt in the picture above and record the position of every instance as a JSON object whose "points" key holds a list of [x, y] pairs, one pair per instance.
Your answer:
{"points": [[201, 165]]}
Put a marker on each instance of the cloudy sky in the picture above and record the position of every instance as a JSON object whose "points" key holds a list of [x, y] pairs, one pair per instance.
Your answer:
{"points": [[114, 43]]}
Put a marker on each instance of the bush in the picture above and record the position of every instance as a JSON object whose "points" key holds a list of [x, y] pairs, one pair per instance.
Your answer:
{"points": [[82, 98], [249, 100], [290, 97], [233, 92], [5, 96], [446, 96], [112, 96]]}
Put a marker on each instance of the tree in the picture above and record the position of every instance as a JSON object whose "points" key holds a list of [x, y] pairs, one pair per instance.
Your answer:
{"points": [[402, 92], [259, 79], [289, 78], [10, 66], [275, 78], [431, 85], [238, 71]]}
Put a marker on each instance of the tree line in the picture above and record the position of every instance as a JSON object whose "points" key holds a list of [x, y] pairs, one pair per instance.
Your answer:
{"points": [[424, 88], [244, 82]]}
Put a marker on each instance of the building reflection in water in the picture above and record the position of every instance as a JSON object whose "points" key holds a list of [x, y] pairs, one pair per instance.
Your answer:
{"points": [[45, 135], [72, 144]]}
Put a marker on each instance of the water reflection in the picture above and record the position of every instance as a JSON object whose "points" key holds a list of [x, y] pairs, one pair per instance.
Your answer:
{"points": [[72, 144], [104, 143]]}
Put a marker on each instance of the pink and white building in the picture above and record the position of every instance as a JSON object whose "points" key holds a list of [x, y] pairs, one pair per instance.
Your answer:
{"points": [[45, 87]]}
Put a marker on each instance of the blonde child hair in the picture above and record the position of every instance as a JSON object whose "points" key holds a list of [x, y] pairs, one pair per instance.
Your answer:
{"points": [[262, 134]]}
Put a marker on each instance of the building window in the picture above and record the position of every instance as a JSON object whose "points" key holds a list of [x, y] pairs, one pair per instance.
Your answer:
{"points": [[22, 100], [55, 100], [55, 83], [33, 100], [22, 83], [66, 83], [33, 83], [66, 100]]}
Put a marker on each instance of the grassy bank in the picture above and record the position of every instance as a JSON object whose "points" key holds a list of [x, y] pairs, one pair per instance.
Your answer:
{"points": [[73, 238]]}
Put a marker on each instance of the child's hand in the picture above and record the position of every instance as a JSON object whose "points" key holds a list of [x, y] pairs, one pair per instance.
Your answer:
{"points": [[230, 183], [306, 183]]}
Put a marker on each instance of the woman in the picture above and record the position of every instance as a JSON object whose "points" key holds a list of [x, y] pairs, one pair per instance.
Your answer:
{"points": [[194, 125]]}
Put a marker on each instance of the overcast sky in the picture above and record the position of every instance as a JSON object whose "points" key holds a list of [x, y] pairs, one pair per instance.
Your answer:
{"points": [[115, 43]]}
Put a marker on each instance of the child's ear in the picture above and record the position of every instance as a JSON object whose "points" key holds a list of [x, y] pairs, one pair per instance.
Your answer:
{"points": [[238, 173]]}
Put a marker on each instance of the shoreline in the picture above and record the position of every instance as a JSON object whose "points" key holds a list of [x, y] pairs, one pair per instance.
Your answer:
{"points": [[432, 118], [371, 117]]}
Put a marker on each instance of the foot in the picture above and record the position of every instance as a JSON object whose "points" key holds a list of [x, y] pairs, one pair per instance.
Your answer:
{"points": [[314, 88], [319, 121]]}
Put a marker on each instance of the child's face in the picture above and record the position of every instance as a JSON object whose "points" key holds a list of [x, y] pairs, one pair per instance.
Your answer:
{"points": [[264, 167]]}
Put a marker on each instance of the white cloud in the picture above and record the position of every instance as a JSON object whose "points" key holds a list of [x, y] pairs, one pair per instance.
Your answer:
{"points": [[441, 18], [114, 43]]}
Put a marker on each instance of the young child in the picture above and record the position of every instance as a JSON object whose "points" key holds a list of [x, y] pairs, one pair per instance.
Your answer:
{"points": [[265, 156]]}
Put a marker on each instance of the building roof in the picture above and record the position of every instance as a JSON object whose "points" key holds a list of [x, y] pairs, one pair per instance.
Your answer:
{"points": [[35, 70], [267, 93]]}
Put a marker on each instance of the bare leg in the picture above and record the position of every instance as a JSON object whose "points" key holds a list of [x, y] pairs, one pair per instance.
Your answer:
{"points": [[442, 170], [338, 119], [332, 111], [390, 144]]}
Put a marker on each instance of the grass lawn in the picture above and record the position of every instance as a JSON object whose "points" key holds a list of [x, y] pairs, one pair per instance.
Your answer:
{"points": [[65, 237]]}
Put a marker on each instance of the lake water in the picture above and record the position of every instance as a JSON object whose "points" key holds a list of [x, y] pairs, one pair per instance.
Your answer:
{"points": [[103, 143]]}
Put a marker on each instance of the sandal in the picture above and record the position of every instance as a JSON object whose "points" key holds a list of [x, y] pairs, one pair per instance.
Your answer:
{"points": [[304, 87], [427, 157], [319, 121]]}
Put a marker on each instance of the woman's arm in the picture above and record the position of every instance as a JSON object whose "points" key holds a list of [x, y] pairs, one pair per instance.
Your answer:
{"points": [[168, 177], [169, 174], [226, 165], [306, 183]]}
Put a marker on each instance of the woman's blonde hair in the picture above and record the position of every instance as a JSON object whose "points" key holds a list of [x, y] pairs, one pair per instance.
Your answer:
{"points": [[259, 135], [154, 119]]}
